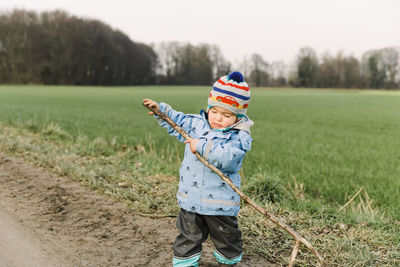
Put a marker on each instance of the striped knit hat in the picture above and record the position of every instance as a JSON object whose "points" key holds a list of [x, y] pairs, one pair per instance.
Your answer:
{"points": [[230, 92]]}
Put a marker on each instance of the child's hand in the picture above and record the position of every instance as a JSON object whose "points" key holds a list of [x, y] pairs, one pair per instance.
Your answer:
{"points": [[150, 103], [193, 144]]}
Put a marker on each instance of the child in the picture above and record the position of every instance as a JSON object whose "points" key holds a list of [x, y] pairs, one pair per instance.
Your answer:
{"points": [[208, 204]]}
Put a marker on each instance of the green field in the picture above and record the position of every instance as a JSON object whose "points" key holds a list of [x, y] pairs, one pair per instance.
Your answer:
{"points": [[331, 142]]}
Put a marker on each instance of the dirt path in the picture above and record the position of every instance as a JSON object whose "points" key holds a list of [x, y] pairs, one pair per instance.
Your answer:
{"points": [[18, 247], [46, 220]]}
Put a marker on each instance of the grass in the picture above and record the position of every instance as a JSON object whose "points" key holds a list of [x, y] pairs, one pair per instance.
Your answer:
{"points": [[312, 151]]}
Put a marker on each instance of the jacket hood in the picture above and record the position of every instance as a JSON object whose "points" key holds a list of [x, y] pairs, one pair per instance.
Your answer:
{"points": [[244, 124]]}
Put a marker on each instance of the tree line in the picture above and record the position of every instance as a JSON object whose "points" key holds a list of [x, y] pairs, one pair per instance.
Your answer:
{"points": [[377, 69], [57, 48]]}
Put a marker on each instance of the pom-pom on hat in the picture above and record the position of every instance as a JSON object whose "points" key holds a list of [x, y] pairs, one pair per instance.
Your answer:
{"points": [[230, 92]]}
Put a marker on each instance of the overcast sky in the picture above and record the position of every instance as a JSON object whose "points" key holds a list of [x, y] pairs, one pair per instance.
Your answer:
{"points": [[275, 29]]}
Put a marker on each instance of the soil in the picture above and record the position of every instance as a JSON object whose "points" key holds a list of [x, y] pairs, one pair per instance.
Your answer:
{"points": [[47, 220]]}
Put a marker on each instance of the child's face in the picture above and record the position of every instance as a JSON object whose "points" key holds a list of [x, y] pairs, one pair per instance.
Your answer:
{"points": [[220, 118]]}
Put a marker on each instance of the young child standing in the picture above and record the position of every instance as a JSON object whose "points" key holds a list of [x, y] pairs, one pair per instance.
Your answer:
{"points": [[208, 205]]}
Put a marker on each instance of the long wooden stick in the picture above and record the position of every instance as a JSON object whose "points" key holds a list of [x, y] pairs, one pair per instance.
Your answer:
{"points": [[294, 253], [298, 238]]}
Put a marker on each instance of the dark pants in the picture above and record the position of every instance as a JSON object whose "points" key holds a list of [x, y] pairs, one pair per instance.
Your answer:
{"points": [[194, 229]]}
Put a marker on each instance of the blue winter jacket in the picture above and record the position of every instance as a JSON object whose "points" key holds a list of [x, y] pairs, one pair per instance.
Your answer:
{"points": [[201, 190]]}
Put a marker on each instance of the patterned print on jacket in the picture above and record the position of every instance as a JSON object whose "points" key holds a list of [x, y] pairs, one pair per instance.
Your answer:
{"points": [[200, 189]]}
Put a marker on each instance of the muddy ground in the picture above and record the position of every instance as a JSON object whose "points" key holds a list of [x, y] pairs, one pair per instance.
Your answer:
{"points": [[47, 220]]}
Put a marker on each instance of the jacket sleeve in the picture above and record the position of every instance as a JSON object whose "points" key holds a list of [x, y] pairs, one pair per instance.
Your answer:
{"points": [[180, 118], [228, 156]]}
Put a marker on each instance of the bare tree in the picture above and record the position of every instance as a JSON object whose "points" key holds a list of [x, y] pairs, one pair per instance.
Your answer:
{"points": [[352, 73], [220, 65], [307, 67], [258, 71], [167, 56], [278, 73], [390, 64]]}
